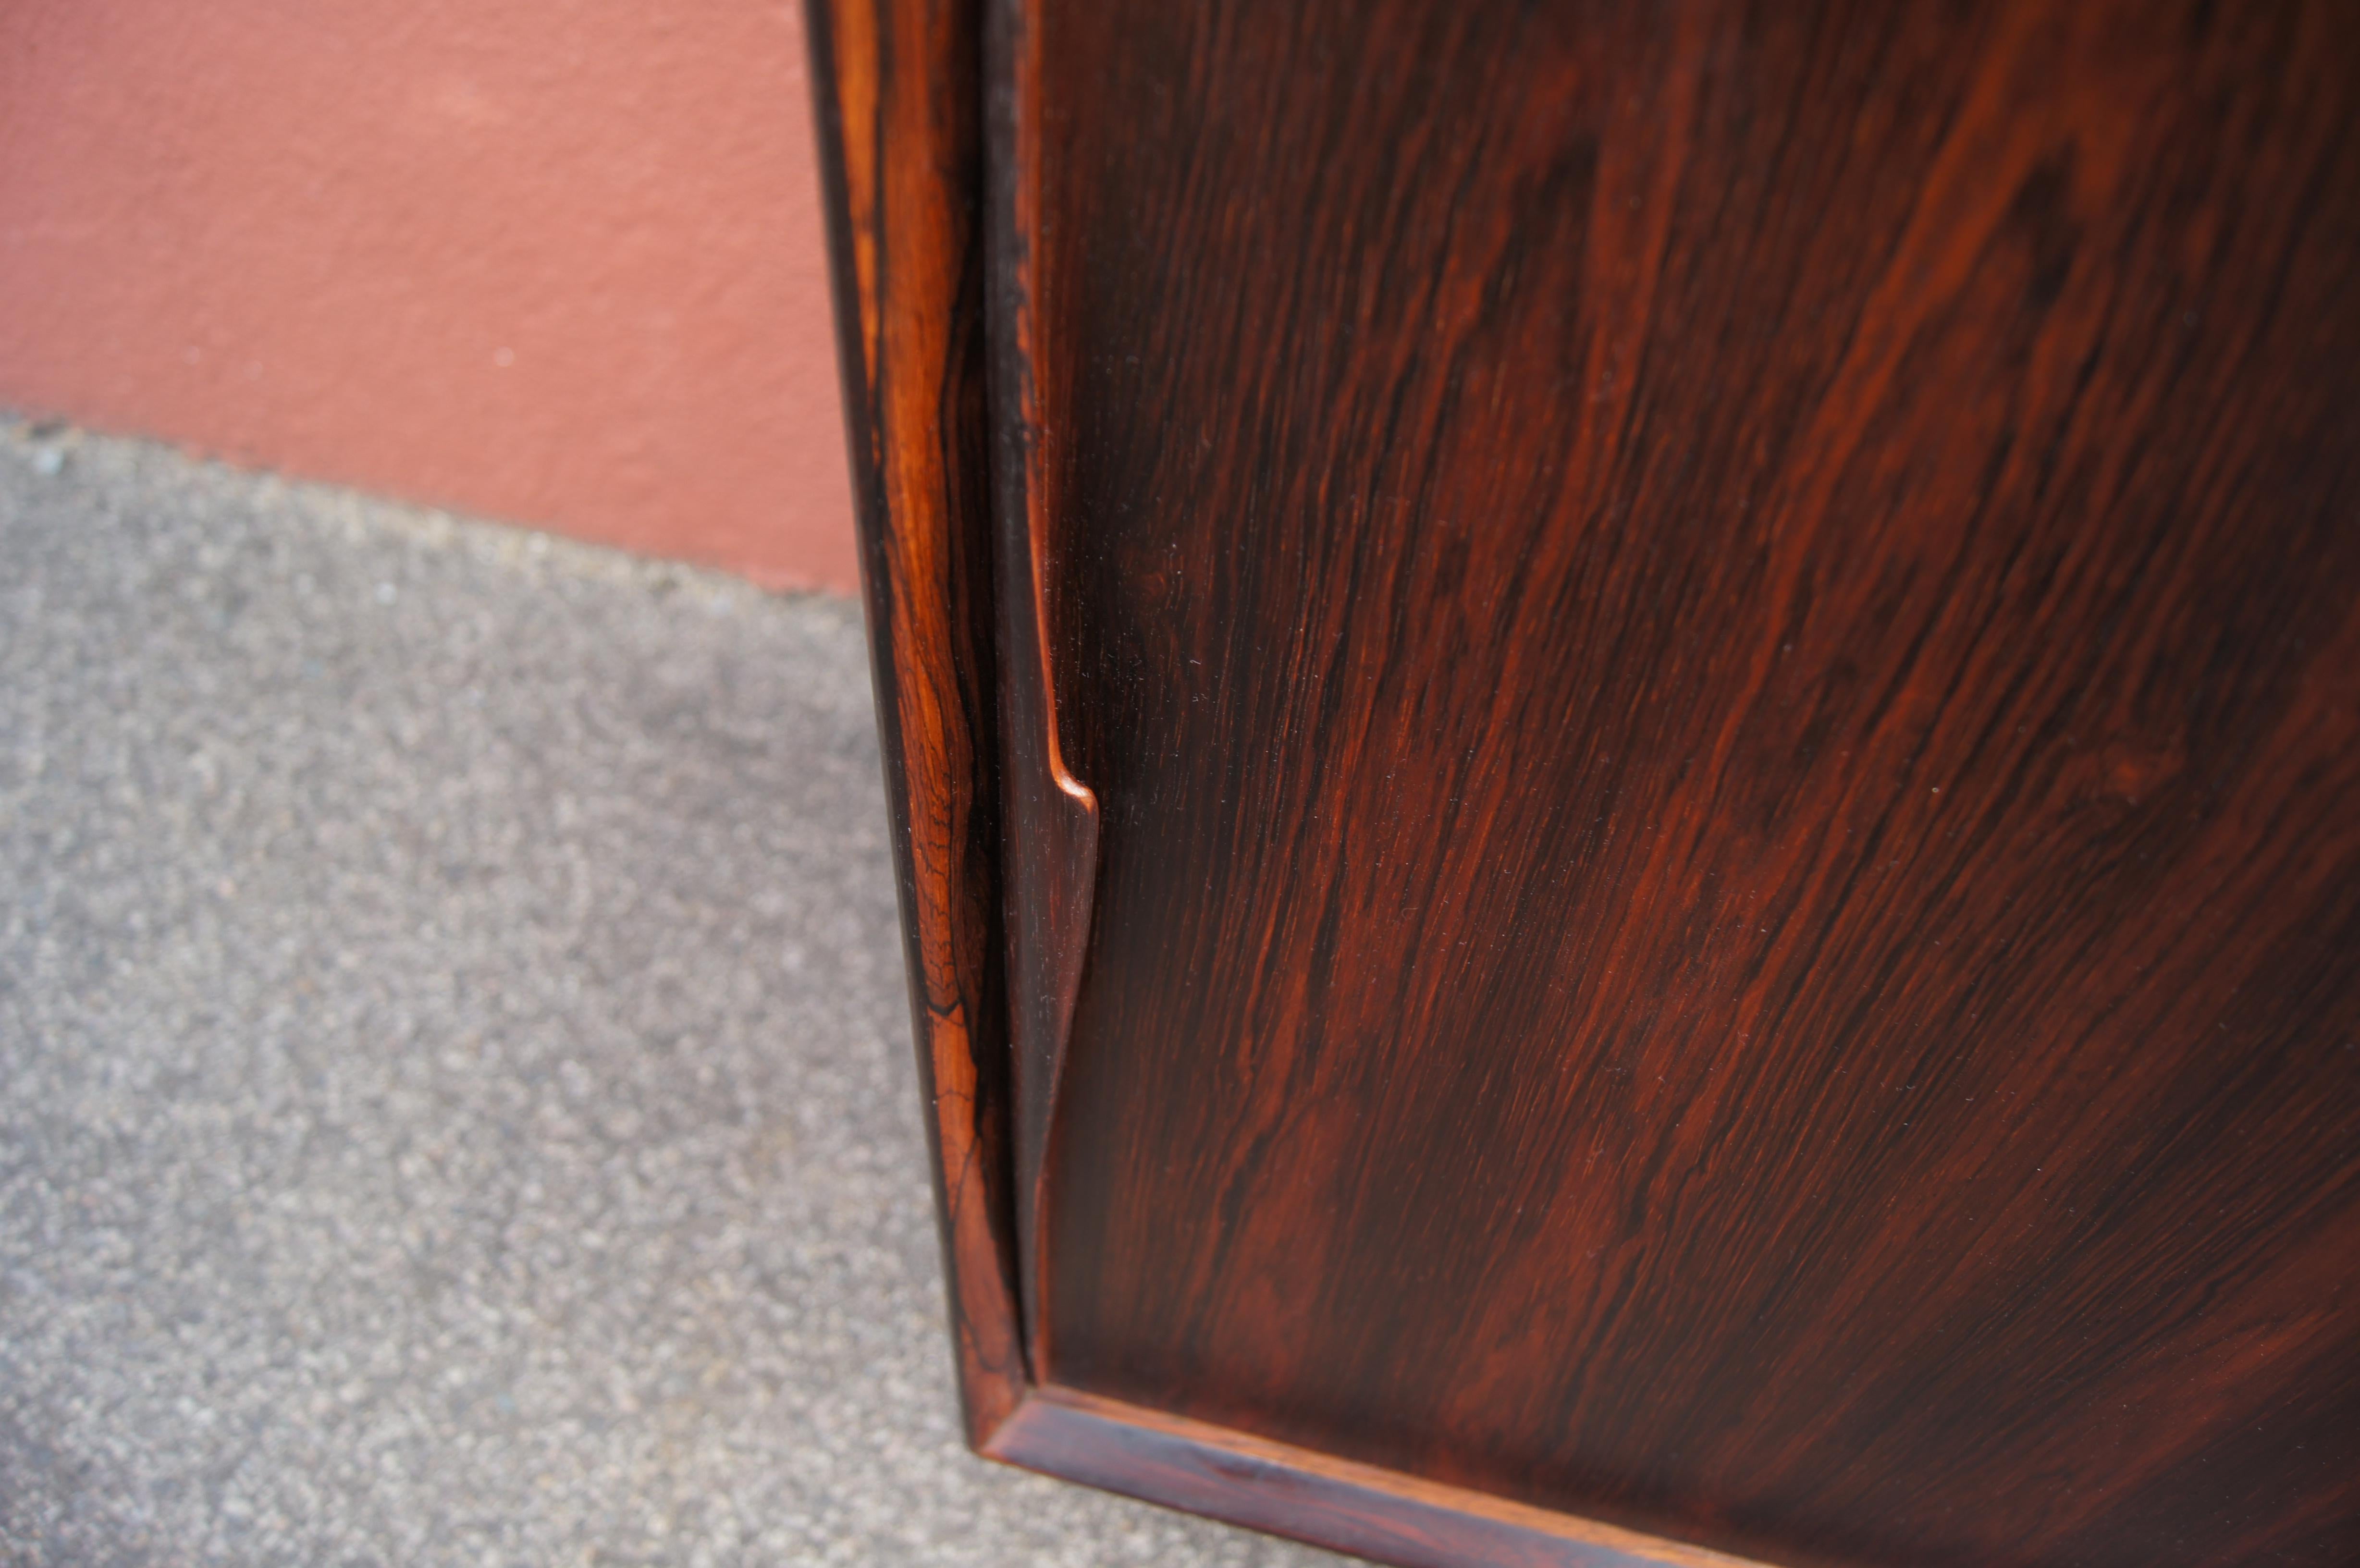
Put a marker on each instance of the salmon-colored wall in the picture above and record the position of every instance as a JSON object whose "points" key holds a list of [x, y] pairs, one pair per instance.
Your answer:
{"points": [[553, 261]]}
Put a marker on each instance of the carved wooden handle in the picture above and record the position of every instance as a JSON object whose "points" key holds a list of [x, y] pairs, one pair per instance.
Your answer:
{"points": [[1051, 821]]}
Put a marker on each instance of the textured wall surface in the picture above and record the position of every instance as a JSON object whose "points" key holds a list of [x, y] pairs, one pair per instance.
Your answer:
{"points": [[557, 262]]}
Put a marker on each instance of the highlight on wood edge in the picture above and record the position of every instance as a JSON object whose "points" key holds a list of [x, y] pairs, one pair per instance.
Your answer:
{"points": [[1335, 1503]]}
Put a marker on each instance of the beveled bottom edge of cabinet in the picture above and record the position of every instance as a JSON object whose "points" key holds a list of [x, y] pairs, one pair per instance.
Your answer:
{"points": [[1383, 1515]]}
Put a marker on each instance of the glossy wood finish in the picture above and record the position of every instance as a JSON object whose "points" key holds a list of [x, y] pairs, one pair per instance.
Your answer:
{"points": [[1680, 695], [1049, 840], [897, 86], [1378, 1514], [896, 97], [1718, 648]]}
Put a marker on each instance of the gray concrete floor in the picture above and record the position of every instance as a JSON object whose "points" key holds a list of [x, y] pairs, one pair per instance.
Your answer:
{"points": [[454, 1088]]}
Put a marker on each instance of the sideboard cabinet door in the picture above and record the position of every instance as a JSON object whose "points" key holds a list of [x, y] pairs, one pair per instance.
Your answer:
{"points": [[1625, 745]]}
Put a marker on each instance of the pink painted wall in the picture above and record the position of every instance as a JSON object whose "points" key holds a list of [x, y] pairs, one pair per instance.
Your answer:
{"points": [[557, 262]]}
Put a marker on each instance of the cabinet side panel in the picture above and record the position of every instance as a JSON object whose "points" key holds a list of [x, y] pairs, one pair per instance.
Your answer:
{"points": [[900, 124]]}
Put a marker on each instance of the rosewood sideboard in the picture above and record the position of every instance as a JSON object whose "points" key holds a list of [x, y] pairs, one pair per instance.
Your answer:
{"points": [[1624, 743]]}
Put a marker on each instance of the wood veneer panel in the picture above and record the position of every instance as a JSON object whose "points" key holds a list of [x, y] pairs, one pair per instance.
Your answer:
{"points": [[896, 89], [1719, 648]]}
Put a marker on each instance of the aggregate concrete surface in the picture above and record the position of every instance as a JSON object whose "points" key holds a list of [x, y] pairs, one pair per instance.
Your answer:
{"points": [[455, 1102]]}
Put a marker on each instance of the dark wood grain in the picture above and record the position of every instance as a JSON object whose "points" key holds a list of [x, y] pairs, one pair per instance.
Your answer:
{"points": [[1717, 655], [1380, 1515], [1718, 648], [1050, 823], [898, 95]]}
